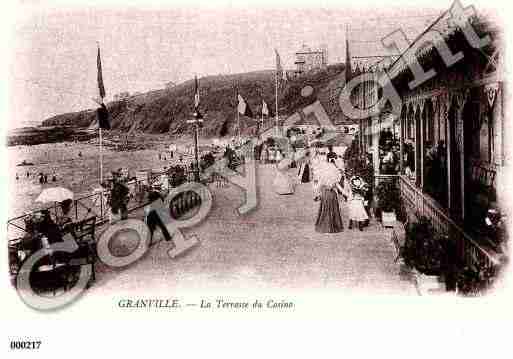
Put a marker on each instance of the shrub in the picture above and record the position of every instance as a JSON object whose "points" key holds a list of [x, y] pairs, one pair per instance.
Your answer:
{"points": [[474, 281], [357, 164], [423, 249], [388, 196]]}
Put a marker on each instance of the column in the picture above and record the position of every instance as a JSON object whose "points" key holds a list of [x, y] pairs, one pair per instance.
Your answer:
{"points": [[423, 124], [401, 139], [446, 110], [375, 140]]}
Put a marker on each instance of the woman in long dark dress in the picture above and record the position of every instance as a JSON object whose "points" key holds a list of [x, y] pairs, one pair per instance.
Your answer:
{"points": [[304, 169], [329, 219], [328, 177]]}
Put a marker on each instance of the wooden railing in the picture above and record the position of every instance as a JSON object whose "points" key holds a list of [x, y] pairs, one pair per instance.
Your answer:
{"points": [[468, 249], [483, 173], [96, 205], [378, 178]]}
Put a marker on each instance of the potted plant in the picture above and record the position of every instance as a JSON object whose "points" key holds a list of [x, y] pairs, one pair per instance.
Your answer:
{"points": [[473, 280], [388, 201], [425, 252]]}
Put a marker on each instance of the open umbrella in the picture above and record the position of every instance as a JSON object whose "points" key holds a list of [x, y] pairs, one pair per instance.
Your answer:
{"points": [[318, 161], [284, 164], [300, 153], [55, 194], [327, 173]]}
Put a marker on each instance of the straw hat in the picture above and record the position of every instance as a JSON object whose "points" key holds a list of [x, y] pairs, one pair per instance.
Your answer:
{"points": [[357, 182]]}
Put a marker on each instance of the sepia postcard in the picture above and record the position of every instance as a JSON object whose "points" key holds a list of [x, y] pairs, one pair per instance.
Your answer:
{"points": [[253, 178]]}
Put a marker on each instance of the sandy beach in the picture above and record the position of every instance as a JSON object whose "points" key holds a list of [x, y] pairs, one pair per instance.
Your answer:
{"points": [[80, 174]]}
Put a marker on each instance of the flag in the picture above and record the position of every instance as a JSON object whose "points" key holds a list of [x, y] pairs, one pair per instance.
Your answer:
{"points": [[349, 71], [243, 107], [196, 94], [101, 119], [265, 109], [197, 113], [280, 74], [101, 87], [102, 114]]}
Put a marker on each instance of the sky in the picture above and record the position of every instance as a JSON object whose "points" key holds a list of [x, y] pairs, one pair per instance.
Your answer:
{"points": [[52, 67]]}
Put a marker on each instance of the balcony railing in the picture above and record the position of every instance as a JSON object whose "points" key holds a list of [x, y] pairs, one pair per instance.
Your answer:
{"points": [[384, 178], [470, 251]]}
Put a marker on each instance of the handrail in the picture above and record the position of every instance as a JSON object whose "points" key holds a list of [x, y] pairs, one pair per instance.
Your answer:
{"points": [[385, 176], [491, 254], [102, 215]]}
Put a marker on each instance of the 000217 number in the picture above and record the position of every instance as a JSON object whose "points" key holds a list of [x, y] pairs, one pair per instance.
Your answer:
{"points": [[25, 344]]}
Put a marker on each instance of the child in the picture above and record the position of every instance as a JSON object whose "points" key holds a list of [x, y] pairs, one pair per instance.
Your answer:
{"points": [[354, 197]]}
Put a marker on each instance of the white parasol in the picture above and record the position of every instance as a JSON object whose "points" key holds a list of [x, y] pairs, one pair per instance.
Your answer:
{"points": [[284, 164], [318, 161], [300, 154], [55, 194], [327, 173]]}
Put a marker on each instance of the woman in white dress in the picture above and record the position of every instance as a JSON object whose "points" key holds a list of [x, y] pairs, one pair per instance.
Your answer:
{"points": [[283, 183], [355, 202], [272, 155], [264, 153], [278, 156]]}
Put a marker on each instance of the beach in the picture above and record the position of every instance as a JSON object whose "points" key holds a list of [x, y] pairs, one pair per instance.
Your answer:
{"points": [[80, 174]]}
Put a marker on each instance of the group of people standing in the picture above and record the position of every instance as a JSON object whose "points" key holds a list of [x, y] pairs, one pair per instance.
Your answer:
{"points": [[163, 156], [268, 153], [332, 191], [329, 218], [330, 187], [42, 177], [283, 182]]}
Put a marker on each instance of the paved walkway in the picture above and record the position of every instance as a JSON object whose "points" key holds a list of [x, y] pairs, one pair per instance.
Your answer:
{"points": [[273, 247]]}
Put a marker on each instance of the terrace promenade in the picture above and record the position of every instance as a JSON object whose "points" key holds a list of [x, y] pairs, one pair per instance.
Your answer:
{"points": [[273, 247]]}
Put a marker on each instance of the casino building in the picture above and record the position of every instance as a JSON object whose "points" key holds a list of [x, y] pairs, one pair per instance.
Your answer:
{"points": [[449, 132], [308, 59]]}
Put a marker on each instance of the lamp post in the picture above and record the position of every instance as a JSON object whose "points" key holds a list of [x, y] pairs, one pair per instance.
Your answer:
{"points": [[198, 119]]}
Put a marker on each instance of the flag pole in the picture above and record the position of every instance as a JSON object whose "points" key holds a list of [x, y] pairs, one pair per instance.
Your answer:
{"points": [[196, 151], [101, 156], [101, 92], [276, 93], [238, 123], [238, 115], [261, 125]]}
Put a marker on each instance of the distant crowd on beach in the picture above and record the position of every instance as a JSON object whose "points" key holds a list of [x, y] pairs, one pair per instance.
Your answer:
{"points": [[42, 177]]}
